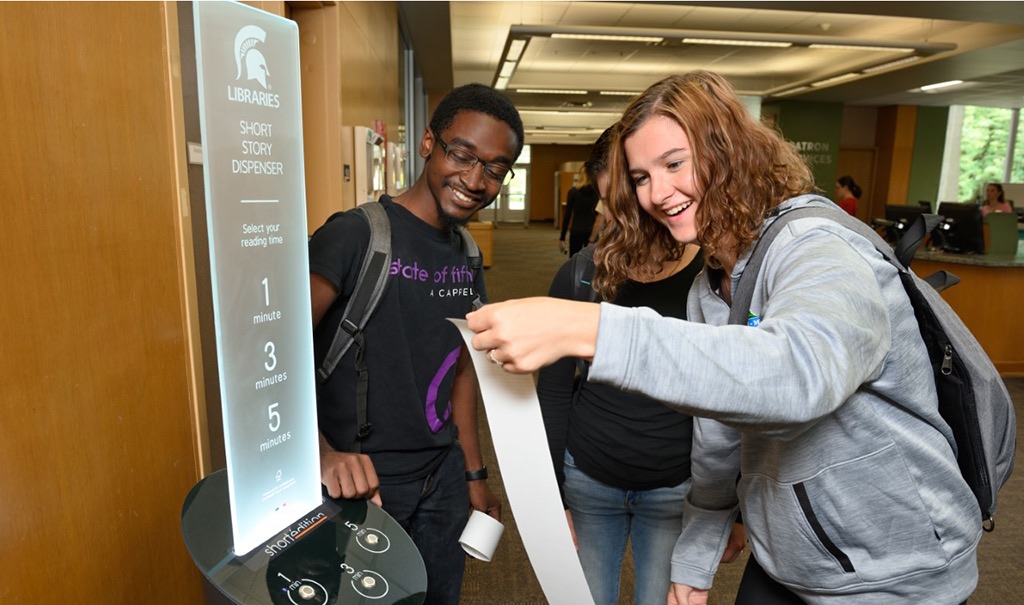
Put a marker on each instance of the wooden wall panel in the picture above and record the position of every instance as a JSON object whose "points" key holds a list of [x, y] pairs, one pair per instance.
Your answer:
{"points": [[349, 57], [369, 64], [98, 451], [319, 56], [1000, 334], [894, 136], [544, 161], [274, 7], [368, 69]]}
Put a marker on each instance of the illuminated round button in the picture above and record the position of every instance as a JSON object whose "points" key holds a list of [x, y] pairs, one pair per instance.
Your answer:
{"points": [[373, 540], [307, 592], [370, 584]]}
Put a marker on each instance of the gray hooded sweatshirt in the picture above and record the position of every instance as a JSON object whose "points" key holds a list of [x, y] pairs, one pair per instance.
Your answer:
{"points": [[828, 411]]}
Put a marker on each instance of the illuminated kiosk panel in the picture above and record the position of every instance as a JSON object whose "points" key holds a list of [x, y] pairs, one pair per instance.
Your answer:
{"points": [[250, 116], [261, 531]]}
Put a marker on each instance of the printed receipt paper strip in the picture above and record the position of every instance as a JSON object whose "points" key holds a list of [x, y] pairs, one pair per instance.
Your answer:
{"points": [[517, 429]]}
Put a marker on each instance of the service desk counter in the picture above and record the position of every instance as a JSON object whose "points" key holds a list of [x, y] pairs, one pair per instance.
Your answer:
{"points": [[988, 299]]}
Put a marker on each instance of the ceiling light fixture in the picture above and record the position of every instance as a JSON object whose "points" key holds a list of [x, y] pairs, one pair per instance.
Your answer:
{"points": [[519, 37], [550, 112], [835, 79], [830, 46], [562, 130], [636, 34], [608, 37], [717, 42], [515, 49], [931, 87], [891, 64], [620, 93], [550, 91]]}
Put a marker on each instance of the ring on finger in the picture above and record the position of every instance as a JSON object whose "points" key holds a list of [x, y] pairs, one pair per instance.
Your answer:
{"points": [[490, 357]]}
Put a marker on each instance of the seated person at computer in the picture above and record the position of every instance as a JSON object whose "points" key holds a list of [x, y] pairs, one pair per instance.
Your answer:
{"points": [[847, 194], [995, 200]]}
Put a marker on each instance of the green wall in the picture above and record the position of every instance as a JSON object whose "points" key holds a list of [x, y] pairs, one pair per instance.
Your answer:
{"points": [[815, 129], [926, 163]]}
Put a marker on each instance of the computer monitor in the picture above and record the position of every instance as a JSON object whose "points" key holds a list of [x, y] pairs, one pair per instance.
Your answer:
{"points": [[898, 218], [902, 216], [961, 230]]}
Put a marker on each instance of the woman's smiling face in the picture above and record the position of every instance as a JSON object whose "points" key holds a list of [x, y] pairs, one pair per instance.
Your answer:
{"points": [[660, 164]]}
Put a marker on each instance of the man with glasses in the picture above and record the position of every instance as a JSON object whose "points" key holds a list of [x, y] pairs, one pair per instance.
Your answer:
{"points": [[421, 460]]}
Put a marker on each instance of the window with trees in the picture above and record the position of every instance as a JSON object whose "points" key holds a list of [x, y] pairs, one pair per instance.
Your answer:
{"points": [[983, 145]]}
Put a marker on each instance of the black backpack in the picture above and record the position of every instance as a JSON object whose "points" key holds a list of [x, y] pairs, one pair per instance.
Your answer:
{"points": [[373, 276], [973, 399]]}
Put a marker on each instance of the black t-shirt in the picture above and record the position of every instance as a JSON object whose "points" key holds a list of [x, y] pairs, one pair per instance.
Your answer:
{"points": [[624, 440], [411, 349], [580, 210]]}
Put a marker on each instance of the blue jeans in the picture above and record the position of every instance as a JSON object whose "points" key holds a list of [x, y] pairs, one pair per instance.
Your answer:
{"points": [[434, 511], [606, 517]]}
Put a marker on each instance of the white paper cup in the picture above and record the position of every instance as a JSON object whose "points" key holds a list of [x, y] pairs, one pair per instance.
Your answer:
{"points": [[481, 535]]}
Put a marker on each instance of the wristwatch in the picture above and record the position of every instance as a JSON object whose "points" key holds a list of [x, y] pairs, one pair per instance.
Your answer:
{"points": [[477, 475]]}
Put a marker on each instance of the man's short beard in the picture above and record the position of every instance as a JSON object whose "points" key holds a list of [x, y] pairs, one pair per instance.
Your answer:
{"points": [[448, 220], [451, 221]]}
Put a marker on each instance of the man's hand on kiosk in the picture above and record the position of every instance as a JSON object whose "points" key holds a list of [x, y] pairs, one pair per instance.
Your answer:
{"points": [[349, 475]]}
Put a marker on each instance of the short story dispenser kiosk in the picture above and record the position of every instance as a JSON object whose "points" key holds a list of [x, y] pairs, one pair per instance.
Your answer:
{"points": [[262, 531]]}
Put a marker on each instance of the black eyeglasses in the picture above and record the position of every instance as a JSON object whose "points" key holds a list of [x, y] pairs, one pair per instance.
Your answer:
{"points": [[464, 160]]}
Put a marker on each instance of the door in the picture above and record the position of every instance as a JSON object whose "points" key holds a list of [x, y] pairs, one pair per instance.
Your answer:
{"points": [[512, 204], [515, 207]]}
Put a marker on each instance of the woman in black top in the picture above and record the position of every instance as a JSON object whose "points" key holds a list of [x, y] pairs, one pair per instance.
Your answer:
{"points": [[622, 460]]}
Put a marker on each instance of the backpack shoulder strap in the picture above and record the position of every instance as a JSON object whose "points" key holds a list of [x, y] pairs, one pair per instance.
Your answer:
{"points": [[473, 256], [470, 246], [582, 270], [368, 291], [373, 275], [900, 257], [908, 244], [581, 267], [744, 292]]}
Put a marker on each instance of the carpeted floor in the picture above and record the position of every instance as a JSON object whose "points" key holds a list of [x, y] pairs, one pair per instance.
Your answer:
{"points": [[525, 260]]}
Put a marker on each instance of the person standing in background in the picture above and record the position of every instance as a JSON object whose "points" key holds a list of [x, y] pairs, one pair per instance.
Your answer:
{"points": [[622, 460], [847, 194], [580, 214], [995, 200]]}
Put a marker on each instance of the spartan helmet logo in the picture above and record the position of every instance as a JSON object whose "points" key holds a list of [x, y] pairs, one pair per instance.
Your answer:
{"points": [[245, 52]]}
